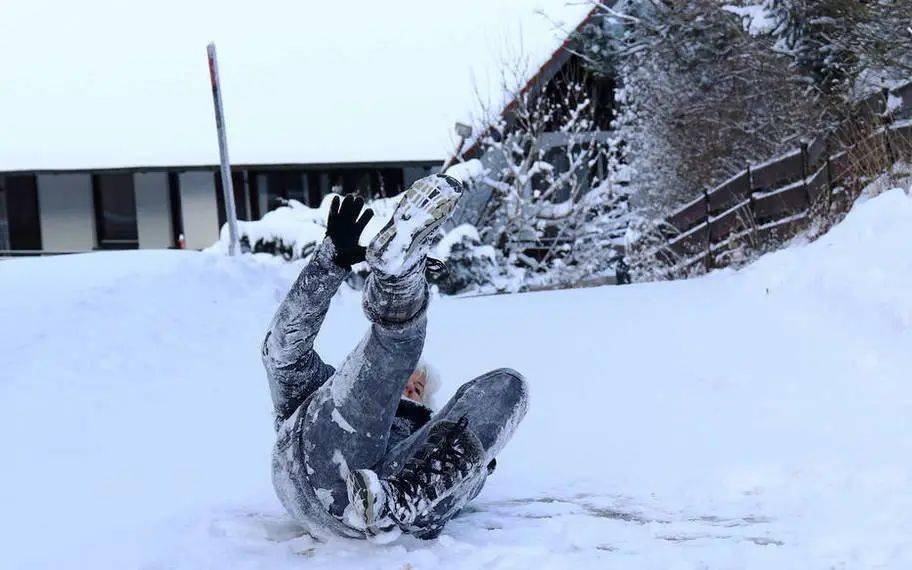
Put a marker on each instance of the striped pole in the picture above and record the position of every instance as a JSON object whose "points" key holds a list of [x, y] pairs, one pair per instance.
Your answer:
{"points": [[227, 185]]}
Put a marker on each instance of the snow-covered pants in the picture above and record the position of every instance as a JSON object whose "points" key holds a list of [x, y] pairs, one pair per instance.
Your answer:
{"points": [[332, 421]]}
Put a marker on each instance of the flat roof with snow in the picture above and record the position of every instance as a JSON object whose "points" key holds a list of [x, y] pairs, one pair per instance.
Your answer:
{"points": [[99, 84]]}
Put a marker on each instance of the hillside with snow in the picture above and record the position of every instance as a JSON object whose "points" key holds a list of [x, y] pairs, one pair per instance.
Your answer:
{"points": [[750, 419]]}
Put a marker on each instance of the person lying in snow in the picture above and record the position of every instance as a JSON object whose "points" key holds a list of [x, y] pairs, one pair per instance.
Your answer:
{"points": [[353, 455]]}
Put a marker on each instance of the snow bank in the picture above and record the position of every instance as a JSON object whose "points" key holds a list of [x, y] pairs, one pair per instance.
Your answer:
{"points": [[749, 419], [299, 228]]}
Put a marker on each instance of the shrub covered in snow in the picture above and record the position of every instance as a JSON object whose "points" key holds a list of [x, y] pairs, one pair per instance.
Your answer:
{"points": [[547, 193], [698, 96], [471, 265], [293, 230]]}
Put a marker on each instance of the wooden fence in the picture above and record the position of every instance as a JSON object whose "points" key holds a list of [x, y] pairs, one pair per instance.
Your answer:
{"points": [[772, 201]]}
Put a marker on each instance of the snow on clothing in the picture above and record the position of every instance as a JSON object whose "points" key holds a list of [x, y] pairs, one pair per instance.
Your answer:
{"points": [[332, 421]]}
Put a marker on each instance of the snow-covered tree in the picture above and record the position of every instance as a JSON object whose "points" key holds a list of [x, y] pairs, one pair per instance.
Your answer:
{"points": [[699, 95], [556, 207], [844, 48]]}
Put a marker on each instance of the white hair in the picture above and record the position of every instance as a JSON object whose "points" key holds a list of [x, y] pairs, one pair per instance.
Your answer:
{"points": [[431, 384]]}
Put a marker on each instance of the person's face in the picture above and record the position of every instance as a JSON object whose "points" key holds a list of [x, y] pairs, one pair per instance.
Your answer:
{"points": [[414, 389]]}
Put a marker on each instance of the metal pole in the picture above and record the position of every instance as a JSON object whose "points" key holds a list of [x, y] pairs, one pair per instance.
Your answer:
{"points": [[227, 185]]}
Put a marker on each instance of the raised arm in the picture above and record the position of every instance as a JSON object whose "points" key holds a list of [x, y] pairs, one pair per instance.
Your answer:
{"points": [[293, 368]]}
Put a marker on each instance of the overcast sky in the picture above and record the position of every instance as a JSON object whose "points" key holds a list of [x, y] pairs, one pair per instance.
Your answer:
{"points": [[96, 83]]}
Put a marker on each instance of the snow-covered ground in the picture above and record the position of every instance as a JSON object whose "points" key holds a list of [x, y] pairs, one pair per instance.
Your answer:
{"points": [[752, 419]]}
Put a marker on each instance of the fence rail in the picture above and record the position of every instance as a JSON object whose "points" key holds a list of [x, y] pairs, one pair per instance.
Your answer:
{"points": [[772, 201]]}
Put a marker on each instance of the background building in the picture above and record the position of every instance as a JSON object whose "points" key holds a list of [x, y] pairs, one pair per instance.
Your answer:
{"points": [[83, 210], [111, 143]]}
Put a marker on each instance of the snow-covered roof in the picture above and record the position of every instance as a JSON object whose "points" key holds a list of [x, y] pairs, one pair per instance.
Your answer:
{"points": [[97, 83]]}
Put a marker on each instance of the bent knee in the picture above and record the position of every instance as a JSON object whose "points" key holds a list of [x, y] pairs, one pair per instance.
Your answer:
{"points": [[507, 380], [510, 373]]}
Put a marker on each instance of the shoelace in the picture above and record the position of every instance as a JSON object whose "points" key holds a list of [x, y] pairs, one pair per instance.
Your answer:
{"points": [[436, 267], [437, 449]]}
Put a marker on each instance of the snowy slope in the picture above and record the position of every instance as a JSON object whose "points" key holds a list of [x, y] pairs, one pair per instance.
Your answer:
{"points": [[752, 419]]}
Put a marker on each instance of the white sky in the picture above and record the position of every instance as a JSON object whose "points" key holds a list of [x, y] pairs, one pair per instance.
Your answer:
{"points": [[92, 83]]}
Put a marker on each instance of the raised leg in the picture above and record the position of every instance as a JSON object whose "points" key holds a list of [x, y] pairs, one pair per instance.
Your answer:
{"points": [[293, 368], [348, 421], [345, 426], [493, 404]]}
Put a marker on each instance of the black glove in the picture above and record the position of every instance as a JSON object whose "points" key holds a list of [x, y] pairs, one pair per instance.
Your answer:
{"points": [[344, 228]]}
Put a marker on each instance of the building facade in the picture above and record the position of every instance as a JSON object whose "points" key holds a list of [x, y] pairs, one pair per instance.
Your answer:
{"points": [[49, 212], [50, 204]]}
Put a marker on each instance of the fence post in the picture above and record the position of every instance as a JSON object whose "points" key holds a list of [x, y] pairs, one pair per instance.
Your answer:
{"points": [[804, 173], [750, 202], [708, 262], [887, 122], [830, 182]]}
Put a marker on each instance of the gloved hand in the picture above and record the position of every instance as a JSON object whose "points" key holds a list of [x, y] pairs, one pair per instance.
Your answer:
{"points": [[344, 227]]}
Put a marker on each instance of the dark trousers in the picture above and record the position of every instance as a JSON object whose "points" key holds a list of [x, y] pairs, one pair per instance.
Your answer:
{"points": [[332, 421]]}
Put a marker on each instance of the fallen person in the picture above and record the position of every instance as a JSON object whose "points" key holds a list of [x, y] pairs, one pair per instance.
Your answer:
{"points": [[356, 454]]}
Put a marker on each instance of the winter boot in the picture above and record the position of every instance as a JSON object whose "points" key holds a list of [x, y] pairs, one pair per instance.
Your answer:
{"points": [[451, 456], [405, 240]]}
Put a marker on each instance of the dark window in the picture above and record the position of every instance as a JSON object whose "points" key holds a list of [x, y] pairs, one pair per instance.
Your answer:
{"points": [[314, 193], [174, 199], [285, 185], [310, 186], [115, 211], [253, 187], [24, 227], [240, 202], [368, 182], [4, 225], [390, 182], [336, 182]]}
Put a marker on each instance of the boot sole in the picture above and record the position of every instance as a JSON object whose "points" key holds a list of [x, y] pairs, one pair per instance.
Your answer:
{"points": [[439, 212]]}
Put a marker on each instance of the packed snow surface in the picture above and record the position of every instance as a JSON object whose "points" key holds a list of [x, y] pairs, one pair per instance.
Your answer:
{"points": [[751, 419]]}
